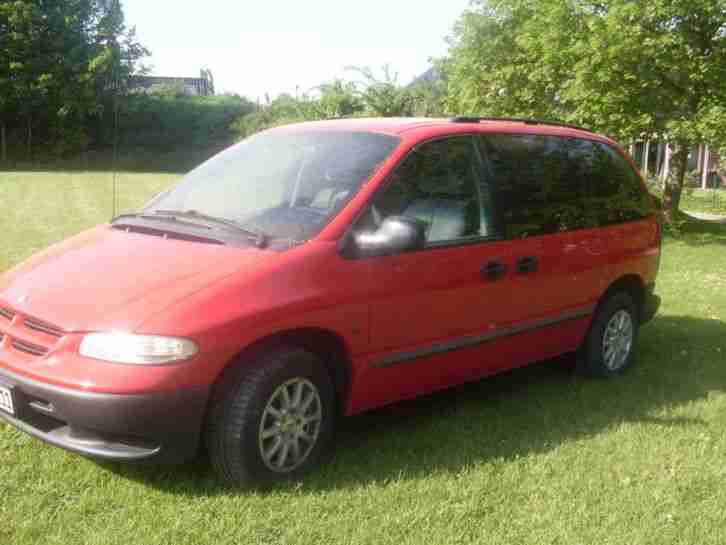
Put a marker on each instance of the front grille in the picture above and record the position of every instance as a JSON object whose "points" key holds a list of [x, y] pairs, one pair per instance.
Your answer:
{"points": [[27, 335], [28, 348], [36, 325]]}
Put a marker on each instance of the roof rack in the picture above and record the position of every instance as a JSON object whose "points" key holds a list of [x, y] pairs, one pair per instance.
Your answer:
{"points": [[526, 121]]}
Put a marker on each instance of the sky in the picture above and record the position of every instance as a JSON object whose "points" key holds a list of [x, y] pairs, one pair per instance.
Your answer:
{"points": [[276, 46]]}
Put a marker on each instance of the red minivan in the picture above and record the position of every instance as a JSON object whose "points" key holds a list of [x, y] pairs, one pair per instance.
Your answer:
{"points": [[322, 269]]}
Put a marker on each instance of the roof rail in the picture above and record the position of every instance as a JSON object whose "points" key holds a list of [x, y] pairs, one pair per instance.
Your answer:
{"points": [[526, 121]]}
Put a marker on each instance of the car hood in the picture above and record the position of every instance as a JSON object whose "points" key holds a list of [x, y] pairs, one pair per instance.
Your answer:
{"points": [[106, 278]]}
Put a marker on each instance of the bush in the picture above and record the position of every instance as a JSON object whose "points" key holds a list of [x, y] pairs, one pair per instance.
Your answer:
{"points": [[176, 132]]}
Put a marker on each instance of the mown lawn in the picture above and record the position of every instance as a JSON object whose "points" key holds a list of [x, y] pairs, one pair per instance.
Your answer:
{"points": [[711, 201], [535, 456]]}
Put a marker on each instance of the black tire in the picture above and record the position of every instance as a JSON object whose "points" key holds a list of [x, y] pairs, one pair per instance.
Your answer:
{"points": [[591, 355], [234, 419]]}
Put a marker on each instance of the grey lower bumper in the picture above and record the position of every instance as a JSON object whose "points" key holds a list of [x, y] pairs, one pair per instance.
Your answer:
{"points": [[163, 427]]}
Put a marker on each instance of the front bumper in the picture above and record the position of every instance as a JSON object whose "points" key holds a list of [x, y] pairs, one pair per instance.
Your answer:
{"points": [[160, 427]]}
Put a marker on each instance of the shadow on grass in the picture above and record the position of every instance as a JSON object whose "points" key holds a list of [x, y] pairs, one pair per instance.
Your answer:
{"points": [[530, 410], [698, 232]]}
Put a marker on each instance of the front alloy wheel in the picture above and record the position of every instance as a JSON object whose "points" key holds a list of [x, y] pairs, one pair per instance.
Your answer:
{"points": [[272, 418], [290, 425]]}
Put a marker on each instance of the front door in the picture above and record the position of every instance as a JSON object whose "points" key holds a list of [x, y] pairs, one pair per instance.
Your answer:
{"points": [[435, 313]]}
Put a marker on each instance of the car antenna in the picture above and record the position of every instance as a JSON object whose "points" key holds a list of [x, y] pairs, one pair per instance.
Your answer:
{"points": [[114, 159]]}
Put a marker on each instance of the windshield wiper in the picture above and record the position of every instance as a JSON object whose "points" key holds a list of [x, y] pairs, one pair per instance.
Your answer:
{"points": [[261, 239], [145, 216]]}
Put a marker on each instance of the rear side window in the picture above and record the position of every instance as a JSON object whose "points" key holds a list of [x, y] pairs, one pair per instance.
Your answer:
{"points": [[548, 184], [616, 194]]}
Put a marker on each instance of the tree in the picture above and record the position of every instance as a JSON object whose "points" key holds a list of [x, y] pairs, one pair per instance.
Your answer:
{"points": [[337, 98], [382, 96], [6, 105], [61, 61], [627, 68], [428, 92], [29, 73]]}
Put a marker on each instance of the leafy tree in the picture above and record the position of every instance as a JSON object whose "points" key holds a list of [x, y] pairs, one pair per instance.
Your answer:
{"points": [[6, 88], [428, 93], [337, 98], [62, 60], [30, 70], [382, 96], [627, 68], [282, 110]]}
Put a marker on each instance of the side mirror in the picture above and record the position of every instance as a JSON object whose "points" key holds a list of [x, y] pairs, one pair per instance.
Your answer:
{"points": [[396, 234]]}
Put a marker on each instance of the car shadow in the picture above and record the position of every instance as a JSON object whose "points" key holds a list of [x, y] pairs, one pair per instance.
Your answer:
{"points": [[699, 232], [525, 411]]}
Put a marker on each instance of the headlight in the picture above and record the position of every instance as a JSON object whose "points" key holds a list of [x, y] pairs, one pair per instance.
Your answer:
{"points": [[136, 349]]}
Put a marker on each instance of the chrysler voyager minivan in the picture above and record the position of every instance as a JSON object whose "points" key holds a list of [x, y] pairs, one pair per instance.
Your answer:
{"points": [[321, 269]]}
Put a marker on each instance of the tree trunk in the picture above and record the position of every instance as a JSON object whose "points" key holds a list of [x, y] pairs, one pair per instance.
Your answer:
{"points": [[3, 143], [659, 159], [704, 167], [674, 186], [666, 164], [646, 152]]}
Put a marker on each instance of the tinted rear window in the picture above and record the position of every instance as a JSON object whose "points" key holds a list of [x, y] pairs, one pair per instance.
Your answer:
{"points": [[548, 184]]}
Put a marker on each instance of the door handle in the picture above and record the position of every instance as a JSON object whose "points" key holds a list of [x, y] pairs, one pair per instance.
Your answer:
{"points": [[493, 270], [526, 265]]}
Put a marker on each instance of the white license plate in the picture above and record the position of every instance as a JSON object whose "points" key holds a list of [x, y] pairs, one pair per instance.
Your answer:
{"points": [[6, 400]]}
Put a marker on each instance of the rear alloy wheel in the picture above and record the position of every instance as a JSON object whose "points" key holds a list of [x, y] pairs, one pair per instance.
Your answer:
{"points": [[273, 421], [617, 340], [608, 348]]}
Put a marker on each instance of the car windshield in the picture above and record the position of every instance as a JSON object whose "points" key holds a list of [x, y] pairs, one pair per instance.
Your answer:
{"points": [[285, 185]]}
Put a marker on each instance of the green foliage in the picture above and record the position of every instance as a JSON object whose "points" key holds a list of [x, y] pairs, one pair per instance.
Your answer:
{"points": [[280, 111], [628, 69], [428, 99], [62, 61], [337, 99], [382, 96], [370, 96], [160, 131], [167, 90]]}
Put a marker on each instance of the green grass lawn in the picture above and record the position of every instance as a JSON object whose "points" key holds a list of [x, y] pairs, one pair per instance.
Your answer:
{"points": [[711, 201], [537, 456]]}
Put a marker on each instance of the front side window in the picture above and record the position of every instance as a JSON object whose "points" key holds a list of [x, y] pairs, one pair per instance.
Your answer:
{"points": [[439, 184], [288, 185]]}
